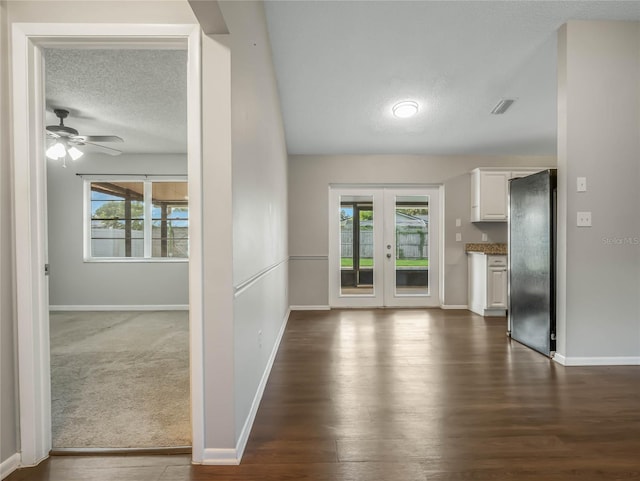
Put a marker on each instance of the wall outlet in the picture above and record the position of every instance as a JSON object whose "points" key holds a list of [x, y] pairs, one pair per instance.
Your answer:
{"points": [[458, 237], [260, 339], [584, 219], [458, 222], [485, 237]]}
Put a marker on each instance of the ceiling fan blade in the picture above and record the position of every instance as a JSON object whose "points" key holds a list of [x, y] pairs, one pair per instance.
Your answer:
{"points": [[106, 150], [98, 138], [51, 135]]}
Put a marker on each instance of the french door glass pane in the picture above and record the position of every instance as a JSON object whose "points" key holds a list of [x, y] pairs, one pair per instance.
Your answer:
{"points": [[356, 245], [412, 245]]}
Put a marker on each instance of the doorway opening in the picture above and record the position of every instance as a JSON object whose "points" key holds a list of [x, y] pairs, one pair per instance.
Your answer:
{"points": [[118, 238], [30, 212]]}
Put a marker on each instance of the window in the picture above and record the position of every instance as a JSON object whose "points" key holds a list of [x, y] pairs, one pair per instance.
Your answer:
{"points": [[137, 220]]}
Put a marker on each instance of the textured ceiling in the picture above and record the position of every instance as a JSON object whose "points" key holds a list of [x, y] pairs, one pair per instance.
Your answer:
{"points": [[341, 65], [139, 95]]}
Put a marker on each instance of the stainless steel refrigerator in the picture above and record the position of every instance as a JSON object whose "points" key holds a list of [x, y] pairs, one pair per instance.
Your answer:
{"points": [[532, 260]]}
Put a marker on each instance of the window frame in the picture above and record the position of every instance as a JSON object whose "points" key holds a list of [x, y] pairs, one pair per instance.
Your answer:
{"points": [[147, 181]]}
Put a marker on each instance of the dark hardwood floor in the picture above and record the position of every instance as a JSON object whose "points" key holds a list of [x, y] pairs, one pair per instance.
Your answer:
{"points": [[413, 395]]}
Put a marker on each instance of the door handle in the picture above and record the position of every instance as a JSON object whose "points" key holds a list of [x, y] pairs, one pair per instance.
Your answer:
{"points": [[389, 256]]}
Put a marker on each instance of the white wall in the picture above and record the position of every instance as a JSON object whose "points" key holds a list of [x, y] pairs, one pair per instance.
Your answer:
{"points": [[599, 138], [72, 281], [260, 251], [8, 410], [309, 180]]}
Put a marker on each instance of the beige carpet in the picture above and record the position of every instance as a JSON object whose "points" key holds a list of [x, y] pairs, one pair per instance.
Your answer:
{"points": [[120, 379]]}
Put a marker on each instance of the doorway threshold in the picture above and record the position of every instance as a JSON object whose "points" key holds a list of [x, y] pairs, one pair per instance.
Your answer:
{"points": [[161, 450]]}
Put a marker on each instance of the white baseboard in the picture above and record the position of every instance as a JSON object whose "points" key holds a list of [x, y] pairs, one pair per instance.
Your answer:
{"points": [[597, 361], [221, 457], [125, 307], [9, 465], [310, 308], [495, 313], [233, 456], [454, 306], [559, 358]]}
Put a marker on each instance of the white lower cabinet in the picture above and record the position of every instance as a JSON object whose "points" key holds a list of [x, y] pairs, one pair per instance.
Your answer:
{"points": [[487, 284]]}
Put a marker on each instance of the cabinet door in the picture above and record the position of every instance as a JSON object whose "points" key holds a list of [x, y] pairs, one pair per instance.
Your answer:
{"points": [[497, 287], [493, 195]]}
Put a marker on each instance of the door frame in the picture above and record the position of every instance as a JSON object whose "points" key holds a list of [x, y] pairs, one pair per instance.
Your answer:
{"points": [[377, 193], [29, 214]]}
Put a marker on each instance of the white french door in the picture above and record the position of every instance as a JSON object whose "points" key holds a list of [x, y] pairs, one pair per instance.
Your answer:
{"points": [[383, 247]]}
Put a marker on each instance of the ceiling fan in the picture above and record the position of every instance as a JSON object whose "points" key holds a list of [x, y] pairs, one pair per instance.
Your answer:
{"points": [[67, 139]]}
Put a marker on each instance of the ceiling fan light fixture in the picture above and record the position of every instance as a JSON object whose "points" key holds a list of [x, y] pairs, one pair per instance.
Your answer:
{"points": [[74, 153], [56, 151], [405, 109], [66, 138]]}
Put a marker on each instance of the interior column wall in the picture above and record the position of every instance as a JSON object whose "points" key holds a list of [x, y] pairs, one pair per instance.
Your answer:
{"points": [[599, 138], [217, 250], [245, 231], [259, 179]]}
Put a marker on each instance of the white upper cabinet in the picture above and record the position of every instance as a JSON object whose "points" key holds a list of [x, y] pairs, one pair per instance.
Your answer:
{"points": [[490, 193]]}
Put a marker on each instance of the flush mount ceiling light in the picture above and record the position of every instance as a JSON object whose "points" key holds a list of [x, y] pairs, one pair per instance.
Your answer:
{"points": [[405, 109], [502, 106]]}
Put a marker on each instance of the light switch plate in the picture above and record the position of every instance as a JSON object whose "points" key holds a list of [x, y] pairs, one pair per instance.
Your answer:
{"points": [[581, 184], [458, 222], [458, 237], [584, 219]]}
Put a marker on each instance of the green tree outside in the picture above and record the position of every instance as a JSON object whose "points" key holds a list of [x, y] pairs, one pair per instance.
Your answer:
{"points": [[112, 215]]}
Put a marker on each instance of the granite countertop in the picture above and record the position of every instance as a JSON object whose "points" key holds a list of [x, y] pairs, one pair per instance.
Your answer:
{"points": [[495, 249]]}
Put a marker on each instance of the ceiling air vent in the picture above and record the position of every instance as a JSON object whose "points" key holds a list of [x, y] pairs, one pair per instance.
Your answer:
{"points": [[502, 106]]}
